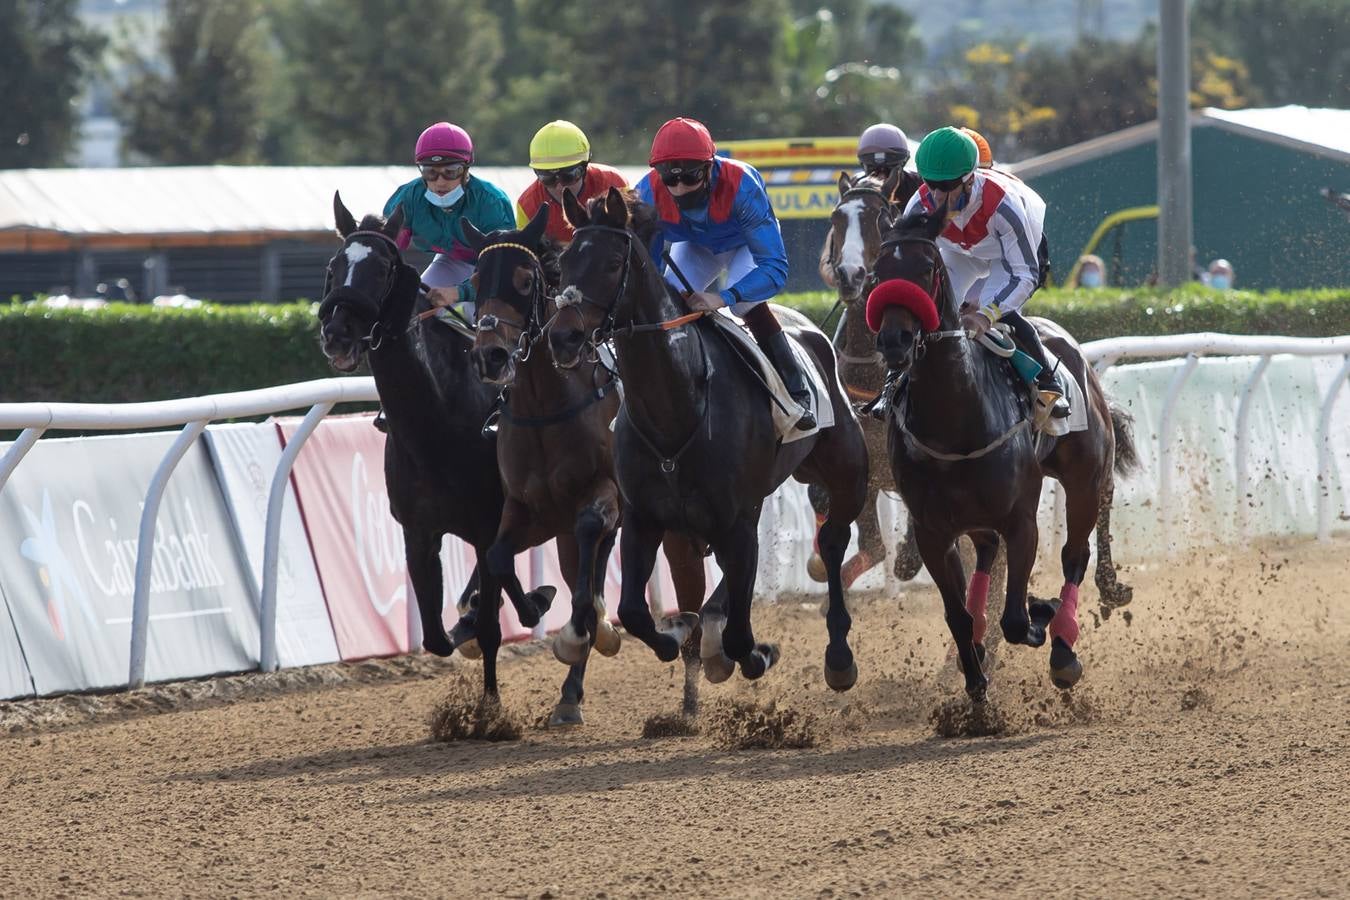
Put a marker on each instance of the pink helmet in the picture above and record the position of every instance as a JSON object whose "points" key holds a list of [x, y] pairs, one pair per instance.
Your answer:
{"points": [[444, 142]]}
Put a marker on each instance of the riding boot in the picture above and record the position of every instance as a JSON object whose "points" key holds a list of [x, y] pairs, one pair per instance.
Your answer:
{"points": [[785, 362], [379, 422], [1051, 397]]}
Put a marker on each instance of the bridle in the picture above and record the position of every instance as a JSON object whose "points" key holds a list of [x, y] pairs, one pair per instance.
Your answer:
{"points": [[332, 297], [939, 287], [528, 327], [571, 296]]}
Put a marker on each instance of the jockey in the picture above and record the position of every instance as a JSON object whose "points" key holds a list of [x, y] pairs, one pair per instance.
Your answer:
{"points": [[560, 155], [882, 149], [986, 154], [994, 224], [717, 216], [434, 205]]}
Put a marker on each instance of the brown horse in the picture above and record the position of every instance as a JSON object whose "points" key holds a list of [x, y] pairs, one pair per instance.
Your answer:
{"points": [[555, 448], [967, 461]]}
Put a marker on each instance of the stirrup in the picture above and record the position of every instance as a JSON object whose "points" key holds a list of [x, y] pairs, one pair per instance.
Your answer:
{"points": [[381, 425], [808, 418], [1054, 403]]}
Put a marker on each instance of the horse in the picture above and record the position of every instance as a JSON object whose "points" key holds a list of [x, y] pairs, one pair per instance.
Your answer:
{"points": [[696, 452], [554, 447], [967, 462], [440, 468], [847, 257]]}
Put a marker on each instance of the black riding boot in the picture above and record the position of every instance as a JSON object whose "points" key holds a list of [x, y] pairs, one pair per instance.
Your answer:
{"points": [[785, 362], [1030, 342]]}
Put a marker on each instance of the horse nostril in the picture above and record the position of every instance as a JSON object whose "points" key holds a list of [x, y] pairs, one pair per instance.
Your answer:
{"points": [[497, 358]]}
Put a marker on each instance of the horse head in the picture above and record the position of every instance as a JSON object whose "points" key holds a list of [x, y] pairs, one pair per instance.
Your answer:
{"points": [[864, 211], [516, 272], [361, 277], [595, 271], [913, 295]]}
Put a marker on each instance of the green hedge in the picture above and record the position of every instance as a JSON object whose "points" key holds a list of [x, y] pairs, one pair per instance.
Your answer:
{"points": [[124, 352]]}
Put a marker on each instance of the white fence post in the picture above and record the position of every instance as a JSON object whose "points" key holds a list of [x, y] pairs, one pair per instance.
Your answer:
{"points": [[145, 549], [17, 451], [1324, 453], [276, 503], [1165, 441]]}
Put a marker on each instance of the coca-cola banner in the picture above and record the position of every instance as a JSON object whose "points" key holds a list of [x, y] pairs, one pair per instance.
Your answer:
{"points": [[246, 456], [358, 547], [69, 520]]}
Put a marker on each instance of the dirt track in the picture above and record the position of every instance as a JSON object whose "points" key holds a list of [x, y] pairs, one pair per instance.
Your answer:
{"points": [[1205, 753]]}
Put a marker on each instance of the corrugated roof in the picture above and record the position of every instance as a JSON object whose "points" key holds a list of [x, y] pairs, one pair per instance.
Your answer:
{"points": [[1324, 132], [188, 200]]}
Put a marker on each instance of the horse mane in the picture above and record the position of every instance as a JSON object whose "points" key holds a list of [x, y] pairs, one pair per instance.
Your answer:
{"points": [[550, 259], [643, 218], [371, 222]]}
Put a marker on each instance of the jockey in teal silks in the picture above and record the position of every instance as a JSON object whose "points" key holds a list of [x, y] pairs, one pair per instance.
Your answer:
{"points": [[716, 215]]}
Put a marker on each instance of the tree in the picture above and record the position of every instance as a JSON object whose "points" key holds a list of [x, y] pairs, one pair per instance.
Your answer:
{"points": [[369, 75], [199, 102], [48, 53], [1295, 50]]}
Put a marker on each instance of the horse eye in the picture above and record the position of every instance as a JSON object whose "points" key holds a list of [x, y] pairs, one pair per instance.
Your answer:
{"points": [[614, 265]]}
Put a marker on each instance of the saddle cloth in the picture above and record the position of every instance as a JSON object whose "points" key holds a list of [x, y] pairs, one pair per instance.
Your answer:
{"points": [[784, 423], [1077, 419]]}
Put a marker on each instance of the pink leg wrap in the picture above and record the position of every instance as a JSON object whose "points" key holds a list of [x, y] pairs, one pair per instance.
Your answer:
{"points": [[1065, 623], [977, 600]]}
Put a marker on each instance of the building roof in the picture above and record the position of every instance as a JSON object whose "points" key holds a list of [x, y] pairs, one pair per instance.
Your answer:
{"points": [[1321, 132], [54, 208]]}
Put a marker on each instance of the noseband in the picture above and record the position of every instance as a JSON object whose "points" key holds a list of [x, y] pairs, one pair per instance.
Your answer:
{"points": [[332, 297]]}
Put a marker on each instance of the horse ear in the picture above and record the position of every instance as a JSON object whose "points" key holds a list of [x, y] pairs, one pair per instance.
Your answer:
{"points": [[535, 229], [885, 220], [892, 182], [575, 212], [845, 182], [616, 208], [937, 219], [394, 224], [472, 236], [346, 222]]}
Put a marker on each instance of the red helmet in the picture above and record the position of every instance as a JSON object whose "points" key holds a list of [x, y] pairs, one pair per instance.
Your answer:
{"points": [[682, 139]]}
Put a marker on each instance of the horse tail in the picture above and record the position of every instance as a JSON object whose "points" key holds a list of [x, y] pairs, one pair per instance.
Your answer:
{"points": [[1127, 455]]}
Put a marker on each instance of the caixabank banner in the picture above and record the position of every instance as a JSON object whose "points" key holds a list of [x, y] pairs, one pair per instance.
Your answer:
{"points": [[69, 520], [246, 457]]}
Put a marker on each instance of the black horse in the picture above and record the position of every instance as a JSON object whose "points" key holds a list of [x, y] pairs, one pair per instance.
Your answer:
{"points": [[968, 461], [696, 451], [439, 467]]}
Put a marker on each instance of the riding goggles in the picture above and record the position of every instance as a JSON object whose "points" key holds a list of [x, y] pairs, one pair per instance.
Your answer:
{"points": [[946, 186], [570, 175], [675, 173], [452, 172]]}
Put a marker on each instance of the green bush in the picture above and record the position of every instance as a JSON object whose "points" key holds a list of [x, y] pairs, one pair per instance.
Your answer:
{"points": [[125, 353]]}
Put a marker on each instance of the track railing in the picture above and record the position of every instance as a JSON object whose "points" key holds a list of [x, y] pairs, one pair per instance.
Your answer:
{"points": [[194, 414]]}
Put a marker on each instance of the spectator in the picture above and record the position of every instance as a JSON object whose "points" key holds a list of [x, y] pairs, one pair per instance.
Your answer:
{"points": [[1091, 271], [1221, 275]]}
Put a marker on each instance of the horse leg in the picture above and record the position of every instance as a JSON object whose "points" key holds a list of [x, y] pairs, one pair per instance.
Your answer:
{"points": [[908, 559], [422, 550], [489, 622], [820, 503], [595, 523], [977, 593], [512, 537], [1113, 593], [943, 560], [1081, 508], [1021, 536], [871, 548], [841, 671], [689, 578], [738, 555], [639, 543]]}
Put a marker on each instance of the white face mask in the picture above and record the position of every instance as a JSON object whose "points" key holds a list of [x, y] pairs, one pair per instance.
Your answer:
{"points": [[1091, 278], [446, 201], [1220, 282]]}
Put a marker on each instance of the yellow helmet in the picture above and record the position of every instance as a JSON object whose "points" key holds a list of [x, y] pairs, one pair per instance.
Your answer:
{"points": [[559, 145]]}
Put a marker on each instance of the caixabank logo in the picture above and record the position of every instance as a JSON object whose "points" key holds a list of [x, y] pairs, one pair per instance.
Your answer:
{"points": [[84, 557]]}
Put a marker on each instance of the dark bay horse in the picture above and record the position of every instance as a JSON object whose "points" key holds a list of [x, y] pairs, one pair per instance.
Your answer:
{"points": [[967, 461], [695, 445], [554, 448], [439, 467]]}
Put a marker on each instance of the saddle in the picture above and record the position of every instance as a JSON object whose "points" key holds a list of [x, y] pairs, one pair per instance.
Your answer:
{"points": [[1001, 342]]}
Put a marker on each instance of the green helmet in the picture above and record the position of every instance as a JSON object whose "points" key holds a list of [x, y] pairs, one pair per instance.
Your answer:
{"points": [[945, 154]]}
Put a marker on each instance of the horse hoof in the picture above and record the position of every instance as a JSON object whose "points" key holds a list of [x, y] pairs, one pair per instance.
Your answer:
{"points": [[760, 660], [978, 691], [569, 651], [438, 644], [566, 715], [815, 567], [467, 603], [907, 563], [717, 669], [1065, 669], [607, 638], [855, 568], [679, 626], [470, 649], [841, 680], [536, 604]]}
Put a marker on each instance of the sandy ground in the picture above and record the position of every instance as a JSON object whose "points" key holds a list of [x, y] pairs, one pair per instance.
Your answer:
{"points": [[1205, 753]]}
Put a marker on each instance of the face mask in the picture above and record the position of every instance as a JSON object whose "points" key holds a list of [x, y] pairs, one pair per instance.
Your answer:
{"points": [[1220, 282], [448, 200], [1090, 279], [693, 199]]}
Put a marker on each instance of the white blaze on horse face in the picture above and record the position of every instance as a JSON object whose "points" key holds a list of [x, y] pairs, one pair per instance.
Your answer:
{"points": [[851, 256], [354, 253]]}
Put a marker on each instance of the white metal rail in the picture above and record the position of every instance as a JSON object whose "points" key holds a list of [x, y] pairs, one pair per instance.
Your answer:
{"points": [[194, 413]]}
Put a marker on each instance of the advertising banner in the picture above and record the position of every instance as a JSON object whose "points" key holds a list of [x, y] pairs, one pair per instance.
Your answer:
{"points": [[15, 680], [358, 547], [246, 456], [69, 519]]}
